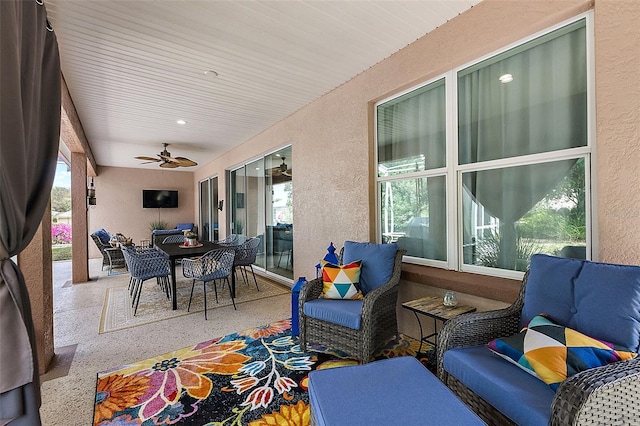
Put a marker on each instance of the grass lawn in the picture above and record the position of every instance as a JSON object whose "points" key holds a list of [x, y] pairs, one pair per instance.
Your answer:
{"points": [[61, 253]]}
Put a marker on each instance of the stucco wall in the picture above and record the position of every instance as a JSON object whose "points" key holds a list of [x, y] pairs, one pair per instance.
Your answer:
{"points": [[617, 43], [119, 201]]}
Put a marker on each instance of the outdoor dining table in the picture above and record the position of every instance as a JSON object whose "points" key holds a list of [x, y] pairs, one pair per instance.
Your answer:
{"points": [[175, 251]]}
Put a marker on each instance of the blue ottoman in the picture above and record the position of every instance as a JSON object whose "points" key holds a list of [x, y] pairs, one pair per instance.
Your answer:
{"points": [[397, 391]]}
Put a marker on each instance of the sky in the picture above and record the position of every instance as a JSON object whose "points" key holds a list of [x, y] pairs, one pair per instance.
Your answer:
{"points": [[63, 175]]}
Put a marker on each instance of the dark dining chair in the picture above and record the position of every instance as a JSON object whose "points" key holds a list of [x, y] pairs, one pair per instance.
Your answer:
{"points": [[215, 265], [246, 256], [144, 264], [174, 239]]}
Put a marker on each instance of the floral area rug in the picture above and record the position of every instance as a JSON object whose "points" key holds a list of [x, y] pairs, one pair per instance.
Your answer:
{"points": [[254, 377]]}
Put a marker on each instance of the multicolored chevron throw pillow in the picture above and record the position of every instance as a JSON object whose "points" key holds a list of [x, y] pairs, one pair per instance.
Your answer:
{"points": [[553, 352], [341, 281]]}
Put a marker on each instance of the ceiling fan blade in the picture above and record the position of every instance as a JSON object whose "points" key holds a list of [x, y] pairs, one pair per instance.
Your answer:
{"points": [[185, 162], [288, 173], [169, 165], [150, 159]]}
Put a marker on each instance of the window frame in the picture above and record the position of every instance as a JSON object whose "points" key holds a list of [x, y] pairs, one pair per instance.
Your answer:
{"points": [[453, 170]]}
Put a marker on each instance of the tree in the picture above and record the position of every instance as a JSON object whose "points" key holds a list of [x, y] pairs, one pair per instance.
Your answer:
{"points": [[60, 199]]}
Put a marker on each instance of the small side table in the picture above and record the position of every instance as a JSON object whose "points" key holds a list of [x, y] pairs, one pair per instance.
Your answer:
{"points": [[432, 306]]}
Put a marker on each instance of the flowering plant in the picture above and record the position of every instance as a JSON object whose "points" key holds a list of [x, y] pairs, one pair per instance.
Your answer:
{"points": [[190, 235], [61, 233]]}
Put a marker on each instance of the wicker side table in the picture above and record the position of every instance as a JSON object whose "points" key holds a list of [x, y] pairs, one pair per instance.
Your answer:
{"points": [[432, 306]]}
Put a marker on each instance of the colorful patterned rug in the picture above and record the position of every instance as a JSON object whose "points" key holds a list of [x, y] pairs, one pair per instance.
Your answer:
{"points": [[254, 377]]}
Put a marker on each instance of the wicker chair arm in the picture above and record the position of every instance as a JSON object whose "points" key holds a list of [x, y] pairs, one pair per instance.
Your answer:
{"points": [[602, 395], [375, 298], [475, 328], [311, 290]]}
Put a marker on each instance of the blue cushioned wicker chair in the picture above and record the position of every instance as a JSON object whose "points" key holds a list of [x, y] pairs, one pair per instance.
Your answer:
{"points": [[356, 327], [212, 266]]}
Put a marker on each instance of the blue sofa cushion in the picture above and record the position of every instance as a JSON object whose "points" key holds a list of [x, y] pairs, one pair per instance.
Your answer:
{"points": [[518, 395], [377, 262], [103, 236], [342, 312], [586, 296], [185, 226]]}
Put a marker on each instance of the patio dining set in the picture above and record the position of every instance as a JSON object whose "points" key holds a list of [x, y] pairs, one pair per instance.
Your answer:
{"points": [[205, 261]]}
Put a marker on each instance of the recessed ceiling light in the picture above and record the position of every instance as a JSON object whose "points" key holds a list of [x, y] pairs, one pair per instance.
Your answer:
{"points": [[505, 78], [181, 122], [210, 73], [277, 155]]}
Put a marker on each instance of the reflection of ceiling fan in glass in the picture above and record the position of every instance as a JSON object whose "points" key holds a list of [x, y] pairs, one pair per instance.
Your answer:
{"points": [[282, 169], [167, 161]]}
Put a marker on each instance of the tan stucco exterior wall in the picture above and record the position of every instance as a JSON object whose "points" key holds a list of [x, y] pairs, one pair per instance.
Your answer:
{"points": [[119, 202], [617, 44]]}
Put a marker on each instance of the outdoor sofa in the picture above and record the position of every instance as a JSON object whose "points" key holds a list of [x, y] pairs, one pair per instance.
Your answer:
{"points": [[595, 299]]}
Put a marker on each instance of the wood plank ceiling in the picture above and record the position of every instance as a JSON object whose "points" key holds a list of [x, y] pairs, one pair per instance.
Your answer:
{"points": [[135, 67]]}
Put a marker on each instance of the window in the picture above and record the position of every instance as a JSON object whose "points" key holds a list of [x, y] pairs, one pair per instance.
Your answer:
{"points": [[515, 178]]}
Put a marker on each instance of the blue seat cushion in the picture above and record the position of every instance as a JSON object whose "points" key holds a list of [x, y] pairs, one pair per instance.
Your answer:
{"points": [[377, 262], [185, 226], [103, 236], [396, 391], [600, 300], [342, 312], [523, 398]]}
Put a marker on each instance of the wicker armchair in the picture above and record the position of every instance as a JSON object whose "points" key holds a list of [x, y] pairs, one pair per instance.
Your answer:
{"points": [[602, 395], [378, 318], [212, 266], [246, 256], [143, 264], [111, 258]]}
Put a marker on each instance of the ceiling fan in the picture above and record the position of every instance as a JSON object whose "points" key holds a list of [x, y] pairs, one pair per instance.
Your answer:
{"points": [[282, 169], [167, 161]]}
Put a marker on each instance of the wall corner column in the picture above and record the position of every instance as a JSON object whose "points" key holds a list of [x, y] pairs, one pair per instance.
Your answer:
{"points": [[79, 237], [36, 265]]}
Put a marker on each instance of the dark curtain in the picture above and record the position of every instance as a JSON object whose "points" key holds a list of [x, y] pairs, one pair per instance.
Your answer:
{"points": [[29, 134]]}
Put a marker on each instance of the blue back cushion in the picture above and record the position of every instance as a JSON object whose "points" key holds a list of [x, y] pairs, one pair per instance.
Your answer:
{"points": [[185, 226], [103, 235], [377, 262], [600, 300]]}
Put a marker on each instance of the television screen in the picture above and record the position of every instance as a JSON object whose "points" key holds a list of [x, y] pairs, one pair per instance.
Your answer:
{"points": [[159, 199]]}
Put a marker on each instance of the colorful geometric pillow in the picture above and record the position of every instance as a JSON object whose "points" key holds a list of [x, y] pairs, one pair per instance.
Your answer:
{"points": [[341, 281], [553, 352]]}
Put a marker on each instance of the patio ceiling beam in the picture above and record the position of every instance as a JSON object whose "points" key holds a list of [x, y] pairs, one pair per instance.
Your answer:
{"points": [[72, 133]]}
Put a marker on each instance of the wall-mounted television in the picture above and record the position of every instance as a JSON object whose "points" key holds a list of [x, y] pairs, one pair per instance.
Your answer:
{"points": [[159, 199]]}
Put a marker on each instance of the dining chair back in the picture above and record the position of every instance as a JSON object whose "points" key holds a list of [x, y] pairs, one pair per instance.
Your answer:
{"points": [[215, 265], [246, 256], [174, 239], [144, 264]]}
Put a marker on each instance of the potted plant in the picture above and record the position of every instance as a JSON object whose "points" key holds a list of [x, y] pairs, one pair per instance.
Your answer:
{"points": [[190, 238]]}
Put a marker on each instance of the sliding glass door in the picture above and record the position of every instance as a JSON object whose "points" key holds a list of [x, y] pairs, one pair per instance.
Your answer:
{"points": [[208, 210], [261, 194]]}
